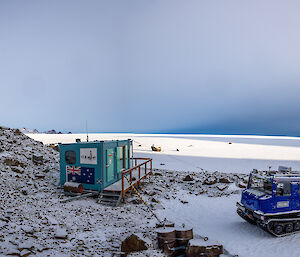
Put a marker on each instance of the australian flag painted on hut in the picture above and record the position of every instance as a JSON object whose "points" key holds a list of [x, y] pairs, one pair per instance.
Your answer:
{"points": [[80, 174]]}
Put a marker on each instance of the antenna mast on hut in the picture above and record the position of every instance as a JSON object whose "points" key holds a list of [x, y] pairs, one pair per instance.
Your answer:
{"points": [[87, 134]]}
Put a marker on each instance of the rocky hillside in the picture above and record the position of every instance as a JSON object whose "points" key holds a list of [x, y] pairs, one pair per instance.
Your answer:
{"points": [[34, 221], [29, 131], [22, 184]]}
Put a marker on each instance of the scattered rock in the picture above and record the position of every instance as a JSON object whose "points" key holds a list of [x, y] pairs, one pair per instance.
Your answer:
{"points": [[242, 185], [222, 187], [28, 230], [210, 180], [51, 220], [24, 253], [39, 175], [152, 193], [25, 246], [37, 159], [17, 170], [41, 248], [61, 234], [184, 202], [225, 180], [136, 201], [153, 200], [188, 178], [13, 252], [17, 132], [5, 219]]}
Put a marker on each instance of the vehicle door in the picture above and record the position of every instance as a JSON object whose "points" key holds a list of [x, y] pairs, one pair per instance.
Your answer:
{"points": [[282, 200], [295, 199]]}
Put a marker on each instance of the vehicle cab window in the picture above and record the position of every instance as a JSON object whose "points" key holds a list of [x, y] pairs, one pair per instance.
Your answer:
{"points": [[283, 189], [268, 186]]}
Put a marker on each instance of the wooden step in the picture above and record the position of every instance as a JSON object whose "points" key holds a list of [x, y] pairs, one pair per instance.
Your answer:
{"points": [[110, 198], [110, 194]]}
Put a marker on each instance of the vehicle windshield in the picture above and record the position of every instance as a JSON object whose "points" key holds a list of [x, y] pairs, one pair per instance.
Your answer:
{"points": [[260, 184]]}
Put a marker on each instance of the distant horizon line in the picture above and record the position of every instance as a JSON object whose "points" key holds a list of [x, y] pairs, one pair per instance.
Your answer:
{"points": [[178, 133]]}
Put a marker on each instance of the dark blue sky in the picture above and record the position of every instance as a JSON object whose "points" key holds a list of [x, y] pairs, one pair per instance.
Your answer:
{"points": [[151, 66]]}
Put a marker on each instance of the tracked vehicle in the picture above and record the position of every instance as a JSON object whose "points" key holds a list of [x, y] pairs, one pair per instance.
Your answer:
{"points": [[272, 201]]}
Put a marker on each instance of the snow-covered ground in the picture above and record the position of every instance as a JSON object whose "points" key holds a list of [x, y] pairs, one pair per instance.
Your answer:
{"points": [[31, 219], [208, 152], [216, 218]]}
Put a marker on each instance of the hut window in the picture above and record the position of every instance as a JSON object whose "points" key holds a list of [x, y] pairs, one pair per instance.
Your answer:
{"points": [[70, 157], [122, 157]]}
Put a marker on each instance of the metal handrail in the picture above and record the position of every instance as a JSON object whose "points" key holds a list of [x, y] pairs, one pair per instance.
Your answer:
{"points": [[129, 171]]}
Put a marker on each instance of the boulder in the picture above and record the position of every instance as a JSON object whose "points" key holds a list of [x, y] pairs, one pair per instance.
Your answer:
{"points": [[12, 162], [133, 243]]}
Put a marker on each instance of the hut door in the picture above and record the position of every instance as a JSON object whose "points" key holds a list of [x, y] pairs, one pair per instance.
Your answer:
{"points": [[120, 160], [109, 165], [126, 157]]}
